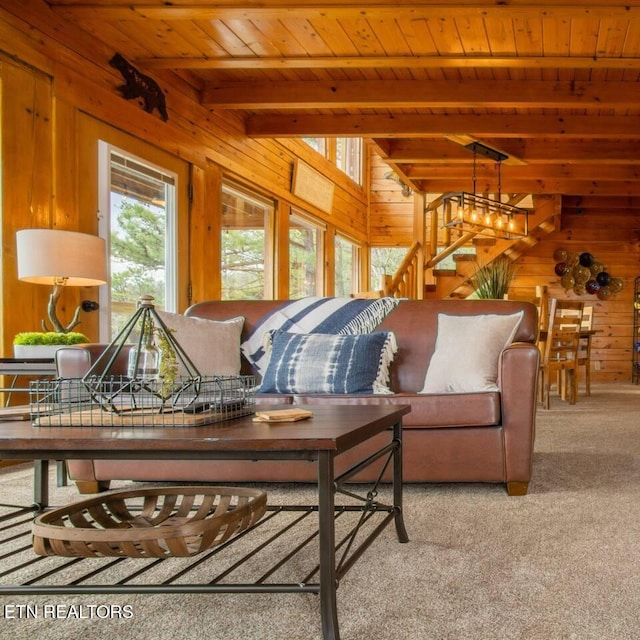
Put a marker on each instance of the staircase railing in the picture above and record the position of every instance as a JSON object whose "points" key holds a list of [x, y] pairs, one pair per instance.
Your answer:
{"points": [[404, 283]]}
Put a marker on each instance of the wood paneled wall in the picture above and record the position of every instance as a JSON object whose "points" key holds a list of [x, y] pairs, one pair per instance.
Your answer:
{"points": [[51, 74], [612, 235], [391, 213]]}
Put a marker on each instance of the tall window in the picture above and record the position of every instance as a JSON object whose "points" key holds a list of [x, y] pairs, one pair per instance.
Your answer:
{"points": [[345, 153], [306, 251], [319, 144], [246, 245], [349, 157], [347, 264], [385, 261], [140, 230]]}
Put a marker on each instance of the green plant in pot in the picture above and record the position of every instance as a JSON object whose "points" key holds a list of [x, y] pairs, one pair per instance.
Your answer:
{"points": [[43, 344], [492, 281]]}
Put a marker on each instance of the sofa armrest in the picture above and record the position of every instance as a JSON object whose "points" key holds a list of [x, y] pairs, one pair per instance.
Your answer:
{"points": [[518, 381]]}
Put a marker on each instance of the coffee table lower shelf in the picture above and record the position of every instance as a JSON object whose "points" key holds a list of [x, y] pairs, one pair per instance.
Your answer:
{"points": [[286, 533]]}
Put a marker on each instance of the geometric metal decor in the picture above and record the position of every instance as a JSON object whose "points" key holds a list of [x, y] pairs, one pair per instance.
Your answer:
{"points": [[154, 359]]}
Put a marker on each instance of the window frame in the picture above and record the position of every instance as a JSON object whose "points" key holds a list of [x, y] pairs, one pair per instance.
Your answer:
{"points": [[329, 150], [269, 230], [172, 280], [356, 259], [305, 219]]}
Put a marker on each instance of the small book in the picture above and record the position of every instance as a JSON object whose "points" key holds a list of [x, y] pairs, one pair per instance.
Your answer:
{"points": [[282, 415]]}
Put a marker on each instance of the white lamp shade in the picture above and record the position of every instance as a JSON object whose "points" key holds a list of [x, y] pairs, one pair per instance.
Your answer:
{"points": [[51, 256]]}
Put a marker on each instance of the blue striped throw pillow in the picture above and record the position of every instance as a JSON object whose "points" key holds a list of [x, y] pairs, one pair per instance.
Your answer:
{"points": [[327, 363]]}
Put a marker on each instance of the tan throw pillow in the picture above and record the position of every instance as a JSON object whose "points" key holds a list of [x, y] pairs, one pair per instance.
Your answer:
{"points": [[465, 359], [212, 345]]}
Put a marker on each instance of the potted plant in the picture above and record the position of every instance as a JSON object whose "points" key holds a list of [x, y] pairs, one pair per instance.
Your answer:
{"points": [[39, 344], [492, 281]]}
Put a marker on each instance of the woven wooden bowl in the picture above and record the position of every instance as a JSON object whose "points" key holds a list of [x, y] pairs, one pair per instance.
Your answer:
{"points": [[148, 523]]}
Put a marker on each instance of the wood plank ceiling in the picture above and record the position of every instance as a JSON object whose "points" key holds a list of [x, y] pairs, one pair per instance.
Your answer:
{"points": [[551, 83]]}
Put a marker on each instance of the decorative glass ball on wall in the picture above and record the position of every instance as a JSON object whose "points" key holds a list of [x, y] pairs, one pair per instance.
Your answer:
{"points": [[615, 285], [581, 274], [592, 286], [568, 281], [596, 268], [604, 293], [586, 259], [603, 278], [560, 255], [573, 259], [561, 268]]}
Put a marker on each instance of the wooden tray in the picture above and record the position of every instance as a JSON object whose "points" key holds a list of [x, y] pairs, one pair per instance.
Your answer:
{"points": [[148, 523], [144, 417]]}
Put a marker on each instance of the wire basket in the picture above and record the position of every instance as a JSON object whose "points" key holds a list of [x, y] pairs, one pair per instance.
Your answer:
{"points": [[148, 523], [121, 401]]}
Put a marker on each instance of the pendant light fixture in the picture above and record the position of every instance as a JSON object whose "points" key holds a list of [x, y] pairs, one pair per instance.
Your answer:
{"points": [[470, 212]]}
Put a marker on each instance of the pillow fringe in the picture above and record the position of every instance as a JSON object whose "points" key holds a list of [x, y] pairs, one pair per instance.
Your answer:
{"points": [[381, 383], [368, 319]]}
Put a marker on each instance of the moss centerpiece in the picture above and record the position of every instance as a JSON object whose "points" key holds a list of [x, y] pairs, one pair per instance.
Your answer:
{"points": [[44, 344]]}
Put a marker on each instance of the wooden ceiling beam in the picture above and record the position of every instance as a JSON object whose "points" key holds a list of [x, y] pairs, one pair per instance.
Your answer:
{"points": [[503, 94], [531, 151], [356, 10], [425, 125], [546, 172], [542, 186], [391, 62]]}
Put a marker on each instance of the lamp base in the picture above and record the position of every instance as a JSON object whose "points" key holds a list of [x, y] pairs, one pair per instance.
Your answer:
{"points": [[53, 314]]}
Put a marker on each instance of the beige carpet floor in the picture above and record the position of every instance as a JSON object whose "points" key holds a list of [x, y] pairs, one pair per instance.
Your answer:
{"points": [[562, 563]]}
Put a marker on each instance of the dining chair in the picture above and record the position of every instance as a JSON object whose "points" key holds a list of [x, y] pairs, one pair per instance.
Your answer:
{"points": [[586, 333], [559, 351], [584, 353], [540, 298], [569, 313]]}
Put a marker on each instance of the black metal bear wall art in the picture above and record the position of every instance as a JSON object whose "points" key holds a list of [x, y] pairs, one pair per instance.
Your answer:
{"points": [[137, 85]]}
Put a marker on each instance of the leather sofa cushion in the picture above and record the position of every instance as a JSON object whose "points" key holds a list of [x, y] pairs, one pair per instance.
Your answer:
{"points": [[428, 410]]}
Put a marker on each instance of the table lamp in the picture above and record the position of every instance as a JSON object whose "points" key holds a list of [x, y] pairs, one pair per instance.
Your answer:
{"points": [[61, 258]]}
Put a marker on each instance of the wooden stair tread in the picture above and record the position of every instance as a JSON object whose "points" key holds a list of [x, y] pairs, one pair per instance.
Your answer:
{"points": [[464, 257], [445, 272], [480, 241]]}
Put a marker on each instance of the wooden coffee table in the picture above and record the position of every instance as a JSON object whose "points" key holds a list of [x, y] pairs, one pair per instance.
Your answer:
{"points": [[333, 430]]}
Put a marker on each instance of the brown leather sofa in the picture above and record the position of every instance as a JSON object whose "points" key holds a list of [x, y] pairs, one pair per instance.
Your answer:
{"points": [[451, 437]]}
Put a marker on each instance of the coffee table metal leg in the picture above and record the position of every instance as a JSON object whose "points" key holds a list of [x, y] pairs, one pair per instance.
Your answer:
{"points": [[397, 484], [328, 582], [40, 484]]}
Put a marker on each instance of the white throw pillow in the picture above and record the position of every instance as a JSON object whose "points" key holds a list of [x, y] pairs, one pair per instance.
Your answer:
{"points": [[465, 359], [212, 345]]}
